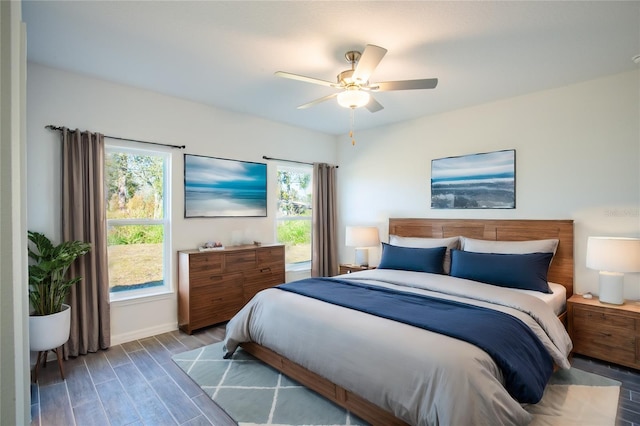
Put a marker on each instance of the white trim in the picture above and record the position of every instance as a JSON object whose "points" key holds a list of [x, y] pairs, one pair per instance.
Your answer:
{"points": [[136, 297], [14, 304], [165, 222], [142, 333]]}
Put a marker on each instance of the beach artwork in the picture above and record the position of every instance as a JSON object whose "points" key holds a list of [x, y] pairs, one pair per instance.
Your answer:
{"points": [[477, 181], [219, 187]]}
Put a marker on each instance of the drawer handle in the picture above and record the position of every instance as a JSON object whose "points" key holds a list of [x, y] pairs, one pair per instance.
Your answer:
{"points": [[215, 277], [265, 270], [605, 334]]}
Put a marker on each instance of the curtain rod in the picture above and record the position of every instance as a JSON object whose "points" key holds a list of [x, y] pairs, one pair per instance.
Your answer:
{"points": [[288, 161], [52, 127]]}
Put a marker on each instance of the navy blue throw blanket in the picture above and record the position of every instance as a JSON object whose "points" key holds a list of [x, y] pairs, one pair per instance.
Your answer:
{"points": [[524, 361]]}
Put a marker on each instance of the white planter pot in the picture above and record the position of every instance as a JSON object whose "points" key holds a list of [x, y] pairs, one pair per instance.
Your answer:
{"points": [[49, 331]]}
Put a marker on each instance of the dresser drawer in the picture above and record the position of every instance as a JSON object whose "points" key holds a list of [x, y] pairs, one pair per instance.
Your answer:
{"points": [[221, 283], [270, 256], [218, 301], [209, 279], [240, 261], [262, 279], [586, 318], [209, 262]]}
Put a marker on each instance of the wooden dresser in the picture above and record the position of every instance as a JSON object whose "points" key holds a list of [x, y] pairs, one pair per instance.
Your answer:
{"points": [[214, 285], [607, 332]]}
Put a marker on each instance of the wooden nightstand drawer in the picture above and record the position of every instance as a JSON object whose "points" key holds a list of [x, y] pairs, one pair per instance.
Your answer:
{"points": [[607, 339], [592, 318], [607, 349]]}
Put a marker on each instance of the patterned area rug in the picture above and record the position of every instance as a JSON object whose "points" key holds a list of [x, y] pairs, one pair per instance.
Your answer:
{"points": [[254, 394]]}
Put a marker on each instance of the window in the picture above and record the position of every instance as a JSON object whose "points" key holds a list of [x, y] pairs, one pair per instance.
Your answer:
{"points": [[138, 221], [293, 222]]}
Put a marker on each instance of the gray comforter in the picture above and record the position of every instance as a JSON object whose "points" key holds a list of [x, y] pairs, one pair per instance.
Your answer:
{"points": [[422, 377]]}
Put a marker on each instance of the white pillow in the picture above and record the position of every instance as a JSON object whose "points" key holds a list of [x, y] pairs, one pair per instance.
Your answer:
{"points": [[415, 242], [509, 247]]}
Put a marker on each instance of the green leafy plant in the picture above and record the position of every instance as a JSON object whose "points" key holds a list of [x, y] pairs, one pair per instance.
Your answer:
{"points": [[48, 284]]}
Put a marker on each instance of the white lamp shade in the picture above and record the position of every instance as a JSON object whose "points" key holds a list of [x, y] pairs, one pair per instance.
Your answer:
{"points": [[353, 98], [362, 236], [613, 254]]}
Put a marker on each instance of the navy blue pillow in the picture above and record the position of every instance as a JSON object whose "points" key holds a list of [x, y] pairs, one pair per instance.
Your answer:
{"points": [[412, 259], [523, 271]]}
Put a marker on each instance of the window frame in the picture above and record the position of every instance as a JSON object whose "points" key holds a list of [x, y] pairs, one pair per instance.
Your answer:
{"points": [[298, 266], [167, 287]]}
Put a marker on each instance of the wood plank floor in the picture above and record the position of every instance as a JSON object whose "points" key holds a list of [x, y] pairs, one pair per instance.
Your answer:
{"points": [[136, 383]]}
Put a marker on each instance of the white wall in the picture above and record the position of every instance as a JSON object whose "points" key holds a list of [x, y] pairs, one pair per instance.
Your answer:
{"points": [[577, 157], [67, 99]]}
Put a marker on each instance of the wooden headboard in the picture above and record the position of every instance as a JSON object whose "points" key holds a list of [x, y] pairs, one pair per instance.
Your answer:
{"points": [[561, 269]]}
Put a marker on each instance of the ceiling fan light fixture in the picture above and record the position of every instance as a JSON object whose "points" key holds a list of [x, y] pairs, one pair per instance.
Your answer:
{"points": [[353, 98]]}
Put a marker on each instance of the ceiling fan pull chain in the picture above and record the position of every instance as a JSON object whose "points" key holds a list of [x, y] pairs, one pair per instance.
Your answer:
{"points": [[353, 141]]}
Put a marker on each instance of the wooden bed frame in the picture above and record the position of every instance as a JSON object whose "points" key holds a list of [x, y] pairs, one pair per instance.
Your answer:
{"points": [[560, 271]]}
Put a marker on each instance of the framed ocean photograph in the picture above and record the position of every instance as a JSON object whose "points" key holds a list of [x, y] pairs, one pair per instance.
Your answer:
{"points": [[477, 181], [220, 187]]}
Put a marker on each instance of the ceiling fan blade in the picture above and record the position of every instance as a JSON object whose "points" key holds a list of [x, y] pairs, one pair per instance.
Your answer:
{"points": [[368, 62], [373, 105], [306, 79], [385, 86], [317, 101]]}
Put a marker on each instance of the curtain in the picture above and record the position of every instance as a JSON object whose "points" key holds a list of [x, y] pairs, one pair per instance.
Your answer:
{"points": [[324, 245], [83, 218]]}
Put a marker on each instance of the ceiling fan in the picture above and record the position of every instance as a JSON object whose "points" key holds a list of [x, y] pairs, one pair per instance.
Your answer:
{"points": [[354, 83]]}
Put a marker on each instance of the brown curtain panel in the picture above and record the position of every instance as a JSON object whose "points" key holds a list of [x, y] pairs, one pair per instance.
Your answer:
{"points": [[324, 251], [83, 218]]}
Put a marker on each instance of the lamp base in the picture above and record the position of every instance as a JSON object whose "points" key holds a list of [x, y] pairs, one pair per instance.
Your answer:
{"points": [[611, 288], [362, 257]]}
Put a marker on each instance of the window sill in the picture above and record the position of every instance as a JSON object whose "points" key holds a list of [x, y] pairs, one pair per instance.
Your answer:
{"points": [[133, 297], [298, 267]]}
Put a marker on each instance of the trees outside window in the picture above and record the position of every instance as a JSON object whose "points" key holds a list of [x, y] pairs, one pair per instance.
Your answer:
{"points": [[293, 221], [137, 221]]}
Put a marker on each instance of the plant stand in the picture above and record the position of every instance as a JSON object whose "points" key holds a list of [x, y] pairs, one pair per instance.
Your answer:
{"points": [[42, 355]]}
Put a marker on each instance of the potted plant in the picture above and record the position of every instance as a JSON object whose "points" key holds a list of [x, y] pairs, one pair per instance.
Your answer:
{"points": [[50, 317]]}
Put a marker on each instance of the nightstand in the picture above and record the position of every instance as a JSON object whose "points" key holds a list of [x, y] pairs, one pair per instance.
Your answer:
{"points": [[607, 332], [346, 268]]}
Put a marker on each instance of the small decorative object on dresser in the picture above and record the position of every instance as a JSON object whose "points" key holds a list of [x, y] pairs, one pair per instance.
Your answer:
{"points": [[613, 257], [211, 245], [607, 332], [346, 268]]}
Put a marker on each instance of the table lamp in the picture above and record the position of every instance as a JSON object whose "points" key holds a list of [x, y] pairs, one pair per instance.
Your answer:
{"points": [[613, 256], [362, 237]]}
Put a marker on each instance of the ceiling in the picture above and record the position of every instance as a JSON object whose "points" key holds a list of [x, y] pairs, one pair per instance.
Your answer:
{"points": [[225, 53]]}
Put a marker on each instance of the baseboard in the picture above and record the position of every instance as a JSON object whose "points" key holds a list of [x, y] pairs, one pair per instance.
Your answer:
{"points": [[118, 339]]}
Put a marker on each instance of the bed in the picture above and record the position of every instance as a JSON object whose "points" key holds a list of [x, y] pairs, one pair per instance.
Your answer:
{"points": [[393, 373]]}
